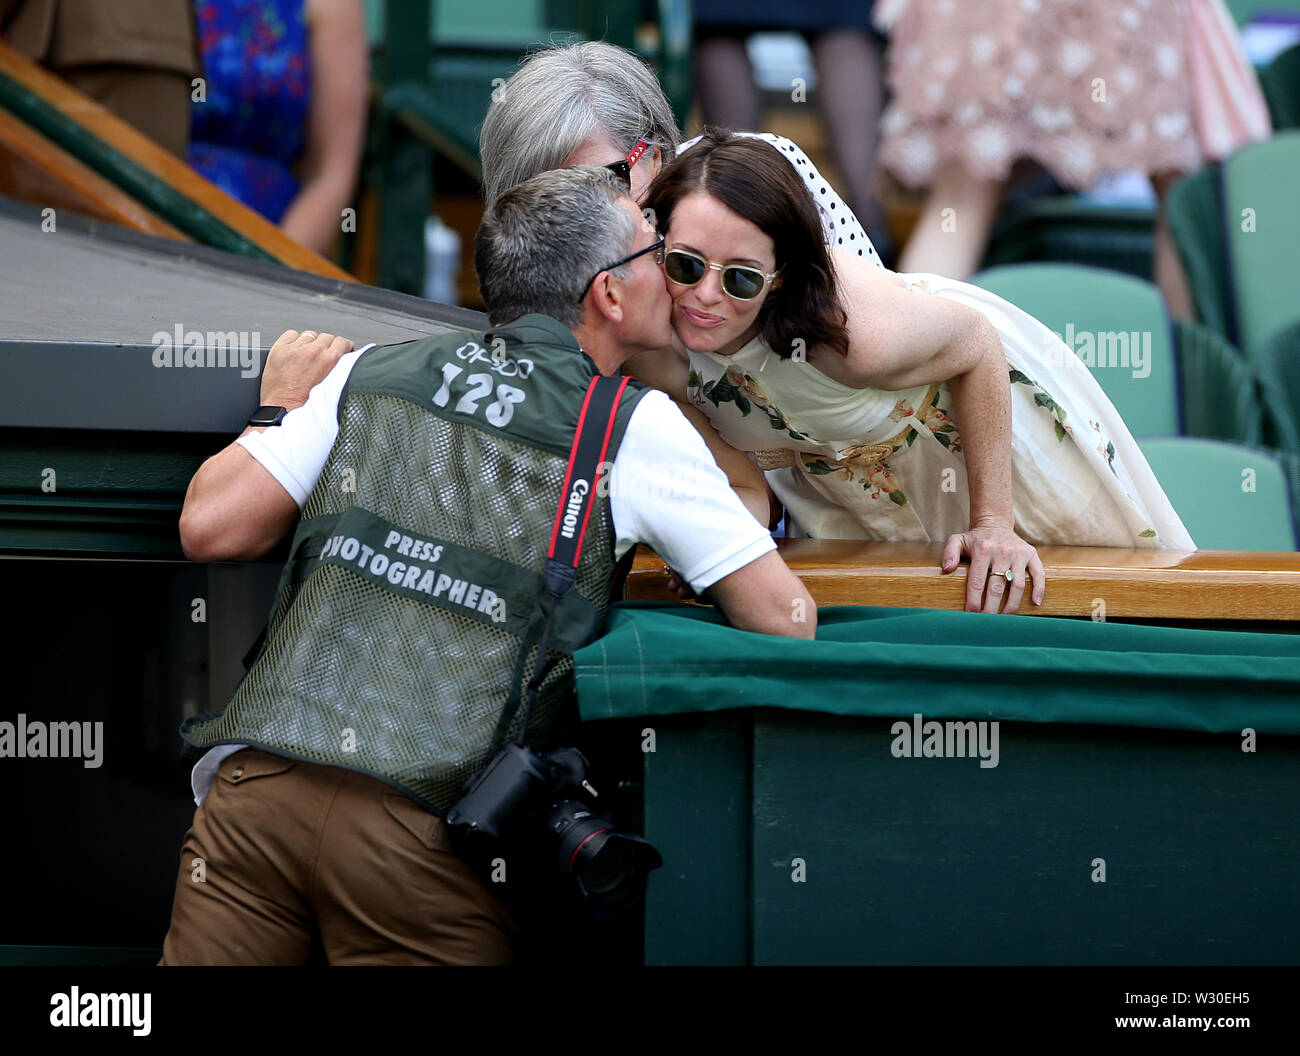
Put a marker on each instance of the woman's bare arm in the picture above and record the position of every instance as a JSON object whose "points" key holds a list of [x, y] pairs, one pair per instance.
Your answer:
{"points": [[899, 339], [336, 121]]}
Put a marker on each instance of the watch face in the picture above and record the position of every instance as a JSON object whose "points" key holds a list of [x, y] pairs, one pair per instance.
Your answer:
{"points": [[267, 416]]}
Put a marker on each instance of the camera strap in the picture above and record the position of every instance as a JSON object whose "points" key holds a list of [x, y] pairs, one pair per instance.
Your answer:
{"points": [[577, 498]]}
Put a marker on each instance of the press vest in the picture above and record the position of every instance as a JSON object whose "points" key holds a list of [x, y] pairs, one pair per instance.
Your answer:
{"points": [[406, 621]]}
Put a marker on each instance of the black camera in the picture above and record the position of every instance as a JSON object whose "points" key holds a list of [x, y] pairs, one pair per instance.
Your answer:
{"points": [[524, 803]]}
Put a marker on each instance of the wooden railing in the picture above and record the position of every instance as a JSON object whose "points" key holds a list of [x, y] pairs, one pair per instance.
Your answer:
{"points": [[32, 169], [1082, 581], [89, 153]]}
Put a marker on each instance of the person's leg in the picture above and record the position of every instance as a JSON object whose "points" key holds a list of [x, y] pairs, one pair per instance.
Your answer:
{"points": [[953, 230], [240, 890], [389, 888], [724, 82], [851, 95], [1166, 264]]}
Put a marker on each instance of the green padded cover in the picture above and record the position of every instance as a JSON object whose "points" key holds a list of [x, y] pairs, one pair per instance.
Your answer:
{"points": [[1217, 386], [1264, 243], [1195, 220], [662, 659], [1102, 316], [1278, 361], [1280, 80], [1223, 506]]}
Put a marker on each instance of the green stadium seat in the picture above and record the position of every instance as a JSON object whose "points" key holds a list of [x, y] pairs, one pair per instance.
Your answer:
{"points": [[1278, 363], [1070, 229], [1198, 386], [1109, 311], [1230, 496], [1280, 80], [1262, 225]]}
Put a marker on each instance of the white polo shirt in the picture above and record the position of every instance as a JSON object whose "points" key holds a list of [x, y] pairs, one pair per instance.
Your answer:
{"points": [[665, 490]]}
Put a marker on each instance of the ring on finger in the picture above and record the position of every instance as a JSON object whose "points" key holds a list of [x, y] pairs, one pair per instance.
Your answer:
{"points": [[1007, 574], [309, 334]]}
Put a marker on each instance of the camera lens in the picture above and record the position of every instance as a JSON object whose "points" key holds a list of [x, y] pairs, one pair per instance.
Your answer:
{"points": [[607, 863]]}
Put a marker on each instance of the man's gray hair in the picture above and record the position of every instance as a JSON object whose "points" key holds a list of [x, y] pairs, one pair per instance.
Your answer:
{"points": [[561, 97], [542, 240]]}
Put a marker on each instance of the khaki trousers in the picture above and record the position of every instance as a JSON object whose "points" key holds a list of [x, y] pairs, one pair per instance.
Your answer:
{"points": [[284, 855], [155, 102]]}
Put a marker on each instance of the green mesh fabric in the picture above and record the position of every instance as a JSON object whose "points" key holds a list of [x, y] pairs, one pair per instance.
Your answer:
{"points": [[355, 675]]}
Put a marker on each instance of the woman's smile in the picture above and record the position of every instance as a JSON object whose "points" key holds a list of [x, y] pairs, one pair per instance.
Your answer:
{"points": [[699, 318]]}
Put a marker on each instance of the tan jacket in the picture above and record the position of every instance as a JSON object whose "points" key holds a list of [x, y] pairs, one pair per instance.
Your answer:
{"points": [[65, 34]]}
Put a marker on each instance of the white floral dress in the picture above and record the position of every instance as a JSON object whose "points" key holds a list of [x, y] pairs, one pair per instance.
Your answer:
{"points": [[869, 464]]}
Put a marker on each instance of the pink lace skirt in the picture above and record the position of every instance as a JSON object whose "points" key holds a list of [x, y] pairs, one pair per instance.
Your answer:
{"points": [[1080, 86]]}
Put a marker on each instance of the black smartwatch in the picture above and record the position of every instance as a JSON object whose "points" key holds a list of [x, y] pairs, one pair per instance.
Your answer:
{"points": [[268, 416]]}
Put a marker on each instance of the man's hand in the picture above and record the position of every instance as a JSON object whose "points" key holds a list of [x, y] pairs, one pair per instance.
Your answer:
{"points": [[296, 362], [992, 549]]}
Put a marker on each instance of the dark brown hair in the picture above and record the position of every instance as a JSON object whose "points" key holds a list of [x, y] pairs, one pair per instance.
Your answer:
{"points": [[751, 178]]}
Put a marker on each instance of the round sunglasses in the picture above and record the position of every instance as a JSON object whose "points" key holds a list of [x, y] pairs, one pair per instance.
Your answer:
{"points": [[739, 281], [623, 168]]}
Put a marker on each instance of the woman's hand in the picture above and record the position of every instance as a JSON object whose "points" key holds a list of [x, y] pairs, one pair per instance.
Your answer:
{"points": [[993, 549]]}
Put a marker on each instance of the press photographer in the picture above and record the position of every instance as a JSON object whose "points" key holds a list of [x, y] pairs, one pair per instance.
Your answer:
{"points": [[440, 576]]}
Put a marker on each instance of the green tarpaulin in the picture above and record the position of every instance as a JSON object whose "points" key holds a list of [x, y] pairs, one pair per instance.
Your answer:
{"points": [[661, 658]]}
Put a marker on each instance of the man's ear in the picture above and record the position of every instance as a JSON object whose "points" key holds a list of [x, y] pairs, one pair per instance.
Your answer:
{"points": [[606, 297]]}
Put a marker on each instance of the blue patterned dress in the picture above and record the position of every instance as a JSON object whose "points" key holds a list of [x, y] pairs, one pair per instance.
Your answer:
{"points": [[251, 127]]}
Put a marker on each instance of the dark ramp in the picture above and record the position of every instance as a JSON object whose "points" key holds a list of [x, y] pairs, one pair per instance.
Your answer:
{"points": [[80, 308], [98, 441]]}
